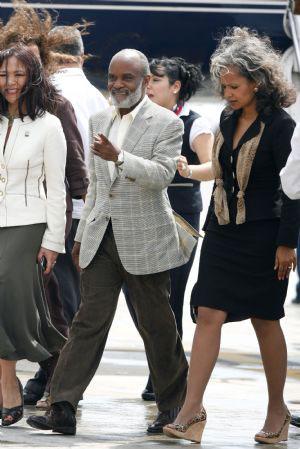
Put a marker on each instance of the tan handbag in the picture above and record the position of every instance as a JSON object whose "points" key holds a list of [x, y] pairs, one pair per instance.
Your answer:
{"points": [[187, 235]]}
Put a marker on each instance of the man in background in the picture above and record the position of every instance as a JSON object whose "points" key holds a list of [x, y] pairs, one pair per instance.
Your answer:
{"points": [[67, 58]]}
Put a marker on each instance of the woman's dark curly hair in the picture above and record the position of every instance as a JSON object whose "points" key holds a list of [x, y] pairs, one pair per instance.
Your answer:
{"points": [[177, 69], [255, 59], [38, 95], [29, 26]]}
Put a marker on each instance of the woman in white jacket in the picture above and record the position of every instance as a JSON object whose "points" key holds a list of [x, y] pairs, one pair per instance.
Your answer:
{"points": [[32, 221]]}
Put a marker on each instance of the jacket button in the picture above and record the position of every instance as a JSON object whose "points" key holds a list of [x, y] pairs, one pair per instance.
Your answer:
{"points": [[3, 179], [1, 193], [111, 195]]}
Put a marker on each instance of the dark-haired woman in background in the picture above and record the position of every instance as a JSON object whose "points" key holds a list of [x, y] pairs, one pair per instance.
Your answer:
{"points": [[32, 224], [251, 228], [173, 82]]}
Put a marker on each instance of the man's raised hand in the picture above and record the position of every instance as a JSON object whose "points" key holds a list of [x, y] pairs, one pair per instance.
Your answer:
{"points": [[103, 148]]}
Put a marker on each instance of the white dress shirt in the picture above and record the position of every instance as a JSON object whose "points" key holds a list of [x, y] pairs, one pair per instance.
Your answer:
{"points": [[290, 174], [86, 101], [119, 129]]}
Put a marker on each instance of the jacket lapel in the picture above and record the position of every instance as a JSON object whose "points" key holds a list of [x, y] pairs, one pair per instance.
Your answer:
{"points": [[18, 127], [228, 126], [137, 129], [104, 129], [3, 131]]}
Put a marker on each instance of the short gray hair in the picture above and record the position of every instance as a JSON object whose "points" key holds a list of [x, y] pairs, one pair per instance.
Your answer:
{"points": [[132, 53], [70, 42], [254, 58]]}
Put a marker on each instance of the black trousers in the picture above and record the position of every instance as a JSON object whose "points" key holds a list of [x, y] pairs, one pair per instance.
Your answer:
{"points": [[179, 277], [68, 277], [101, 284]]}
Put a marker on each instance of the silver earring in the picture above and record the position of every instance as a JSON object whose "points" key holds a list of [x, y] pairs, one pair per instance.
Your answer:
{"points": [[255, 89]]}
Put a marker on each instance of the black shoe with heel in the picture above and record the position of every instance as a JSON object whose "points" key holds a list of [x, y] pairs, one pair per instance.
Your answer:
{"points": [[14, 414]]}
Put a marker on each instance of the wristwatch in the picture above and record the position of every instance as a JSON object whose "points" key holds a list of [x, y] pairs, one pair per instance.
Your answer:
{"points": [[120, 159]]}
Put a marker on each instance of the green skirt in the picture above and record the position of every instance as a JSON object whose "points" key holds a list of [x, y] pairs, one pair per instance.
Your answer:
{"points": [[26, 331]]}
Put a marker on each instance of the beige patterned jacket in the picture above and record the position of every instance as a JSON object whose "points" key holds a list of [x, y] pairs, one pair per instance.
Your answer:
{"points": [[135, 200]]}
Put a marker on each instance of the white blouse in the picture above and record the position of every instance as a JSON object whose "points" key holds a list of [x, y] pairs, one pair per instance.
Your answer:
{"points": [[200, 126], [290, 174]]}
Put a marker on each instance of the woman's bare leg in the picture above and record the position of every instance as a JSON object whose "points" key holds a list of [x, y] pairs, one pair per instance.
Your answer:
{"points": [[205, 350], [9, 384], [274, 357]]}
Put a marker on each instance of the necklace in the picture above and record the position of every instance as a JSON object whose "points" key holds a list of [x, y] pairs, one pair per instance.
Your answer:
{"points": [[11, 118]]}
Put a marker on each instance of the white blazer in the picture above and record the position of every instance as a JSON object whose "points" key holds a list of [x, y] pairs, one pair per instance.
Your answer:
{"points": [[35, 151], [290, 174]]}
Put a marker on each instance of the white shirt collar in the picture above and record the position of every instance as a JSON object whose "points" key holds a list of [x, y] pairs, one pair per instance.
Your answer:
{"points": [[185, 110], [132, 114], [69, 71]]}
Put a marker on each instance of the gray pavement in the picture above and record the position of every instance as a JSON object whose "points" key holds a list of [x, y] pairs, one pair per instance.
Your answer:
{"points": [[112, 415]]}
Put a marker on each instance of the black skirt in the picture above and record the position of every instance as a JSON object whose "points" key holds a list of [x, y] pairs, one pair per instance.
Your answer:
{"points": [[236, 272]]}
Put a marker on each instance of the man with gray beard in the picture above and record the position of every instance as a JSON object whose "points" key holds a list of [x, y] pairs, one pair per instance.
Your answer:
{"points": [[127, 234]]}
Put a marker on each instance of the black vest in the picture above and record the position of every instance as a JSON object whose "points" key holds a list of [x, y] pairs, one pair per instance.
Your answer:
{"points": [[186, 197]]}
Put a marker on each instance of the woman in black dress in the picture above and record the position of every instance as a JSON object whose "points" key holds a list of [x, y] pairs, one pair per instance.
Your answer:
{"points": [[251, 227]]}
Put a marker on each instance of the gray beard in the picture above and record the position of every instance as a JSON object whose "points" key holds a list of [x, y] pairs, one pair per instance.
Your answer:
{"points": [[131, 100]]}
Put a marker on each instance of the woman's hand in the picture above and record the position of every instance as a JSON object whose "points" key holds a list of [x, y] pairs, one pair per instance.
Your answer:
{"points": [[75, 255], [285, 261], [183, 167], [50, 257]]}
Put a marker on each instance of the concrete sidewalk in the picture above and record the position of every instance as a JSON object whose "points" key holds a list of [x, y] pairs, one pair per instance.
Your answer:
{"points": [[112, 415]]}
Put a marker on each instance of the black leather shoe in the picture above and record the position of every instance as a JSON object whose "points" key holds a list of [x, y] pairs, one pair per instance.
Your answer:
{"points": [[34, 388], [162, 419], [295, 420], [61, 419], [148, 393]]}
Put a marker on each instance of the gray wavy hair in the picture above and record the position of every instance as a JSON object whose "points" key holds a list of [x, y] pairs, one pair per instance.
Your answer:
{"points": [[255, 59]]}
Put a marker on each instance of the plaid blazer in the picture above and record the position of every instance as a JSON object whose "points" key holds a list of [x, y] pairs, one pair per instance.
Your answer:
{"points": [[135, 200]]}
